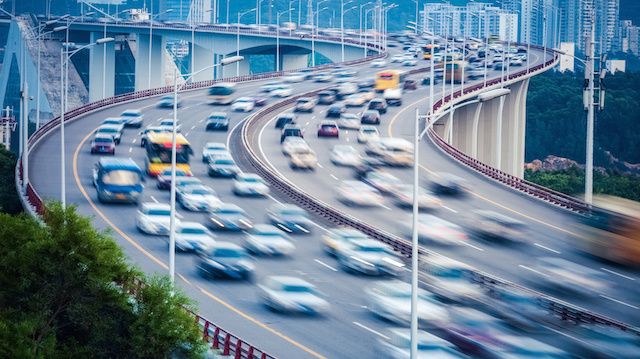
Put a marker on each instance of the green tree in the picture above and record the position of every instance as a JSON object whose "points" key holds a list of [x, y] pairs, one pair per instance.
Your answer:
{"points": [[63, 295], [9, 201]]}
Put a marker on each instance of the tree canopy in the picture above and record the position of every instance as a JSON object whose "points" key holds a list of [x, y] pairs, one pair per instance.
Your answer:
{"points": [[64, 294], [9, 201]]}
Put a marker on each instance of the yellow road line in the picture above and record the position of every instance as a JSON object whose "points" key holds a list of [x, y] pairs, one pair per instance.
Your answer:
{"points": [[164, 265], [390, 131]]}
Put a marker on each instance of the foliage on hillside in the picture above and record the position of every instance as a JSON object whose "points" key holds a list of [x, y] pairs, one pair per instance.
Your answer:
{"points": [[9, 201], [62, 296]]}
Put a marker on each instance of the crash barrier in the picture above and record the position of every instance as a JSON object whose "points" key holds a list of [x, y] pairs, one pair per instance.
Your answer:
{"points": [[220, 339], [247, 156]]}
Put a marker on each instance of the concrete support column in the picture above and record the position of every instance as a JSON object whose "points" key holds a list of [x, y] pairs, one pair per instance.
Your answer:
{"points": [[203, 57], [142, 62], [497, 153], [522, 125], [487, 129], [462, 128], [294, 61], [512, 157], [474, 131], [102, 68]]}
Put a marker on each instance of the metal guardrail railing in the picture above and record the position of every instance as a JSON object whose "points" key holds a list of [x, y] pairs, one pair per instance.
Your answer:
{"points": [[247, 154], [217, 337]]}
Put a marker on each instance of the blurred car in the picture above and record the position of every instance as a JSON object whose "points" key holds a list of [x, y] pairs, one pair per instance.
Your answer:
{"points": [[193, 236], [367, 133], [303, 158], [378, 63], [369, 256], [294, 77], [449, 184], [243, 104], [323, 78], [355, 100], [305, 104], [338, 237], [433, 229], [516, 62], [410, 62], [599, 341], [370, 117], [289, 294], [514, 345], [153, 218], [451, 280], [378, 104], [366, 84], [518, 308], [164, 177], [249, 184], [393, 96], [335, 111], [349, 121], [345, 155], [345, 89], [355, 193], [568, 276], [144, 133], [186, 181], [222, 166], [212, 149], [397, 345], [383, 181], [259, 101], [167, 102], [290, 131], [225, 259], [228, 216], [289, 217], [292, 144], [328, 128], [285, 119], [197, 198], [265, 239], [326, 98], [497, 226], [397, 58], [217, 121], [270, 86], [103, 143], [133, 118], [114, 131], [167, 123], [392, 301], [474, 74], [282, 91], [426, 200], [410, 85]]}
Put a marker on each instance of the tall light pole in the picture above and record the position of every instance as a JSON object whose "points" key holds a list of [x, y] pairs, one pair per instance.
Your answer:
{"points": [[172, 217], [193, 38], [240, 15], [366, 38], [342, 4], [278, 15], [314, 33], [417, 12], [39, 39], [360, 20], [65, 57], [151, 17]]}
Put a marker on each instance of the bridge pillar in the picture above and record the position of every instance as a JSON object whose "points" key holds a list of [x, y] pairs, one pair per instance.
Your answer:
{"points": [[102, 68], [203, 57], [294, 61], [462, 128], [146, 79], [488, 126], [242, 68], [512, 134]]}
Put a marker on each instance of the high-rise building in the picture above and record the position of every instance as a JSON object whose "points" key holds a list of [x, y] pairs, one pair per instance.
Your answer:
{"points": [[186, 10], [605, 13]]}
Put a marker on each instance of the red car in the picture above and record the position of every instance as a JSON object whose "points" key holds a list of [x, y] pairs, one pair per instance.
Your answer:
{"points": [[328, 129], [164, 178], [103, 144]]}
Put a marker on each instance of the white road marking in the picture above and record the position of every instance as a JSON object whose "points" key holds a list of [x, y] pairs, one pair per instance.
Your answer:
{"points": [[134, 141], [619, 301], [618, 274], [564, 334], [449, 209], [334, 177], [154, 199], [371, 330], [192, 127], [313, 117], [284, 228], [306, 124], [385, 207], [472, 246], [347, 139], [321, 166], [130, 149], [546, 248], [325, 265], [532, 270]]}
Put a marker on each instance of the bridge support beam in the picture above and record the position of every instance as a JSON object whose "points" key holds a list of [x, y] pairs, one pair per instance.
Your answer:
{"points": [[461, 131], [241, 68], [513, 129], [203, 57], [146, 79], [102, 69], [294, 61]]}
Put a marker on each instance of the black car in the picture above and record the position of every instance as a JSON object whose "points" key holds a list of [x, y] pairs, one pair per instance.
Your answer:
{"points": [[285, 119], [378, 104], [217, 121], [370, 117], [409, 85], [326, 98], [225, 259], [290, 131], [335, 111]]}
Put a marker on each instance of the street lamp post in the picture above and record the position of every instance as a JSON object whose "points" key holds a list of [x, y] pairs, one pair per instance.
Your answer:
{"points": [[39, 39], [360, 20], [314, 32], [342, 4], [366, 38], [278, 16], [193, 39], [240, 15], [151, 17], [172, 219]]}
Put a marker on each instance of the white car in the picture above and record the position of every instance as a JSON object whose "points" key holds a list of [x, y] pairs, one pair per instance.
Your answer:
{"points": [[168, 124], [338, 237], [345, 155], [153, 218], [323, 77], [282, 91], [397, 58], [369, 256], [115, 131], [211, 149], [561, 274], [392, 301], [410, 62], [355, 100], [451, 280], [270, 86], [249, 184], [290, 294], [436, 230], [426, 200], [397, 345], [243, 104], [192, 236], [266, 239], [355, 193], [378, 63], [134, 118], [294, 77], [349, 121], [383, 181], [367, 132], [292, 144], [198, 198]]}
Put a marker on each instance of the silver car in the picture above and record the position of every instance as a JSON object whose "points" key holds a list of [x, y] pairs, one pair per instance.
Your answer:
{"points": [[291, 294], [266, 239], [369, 256]]}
